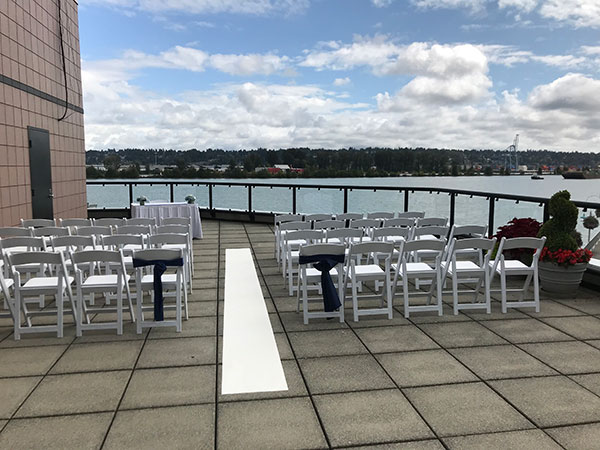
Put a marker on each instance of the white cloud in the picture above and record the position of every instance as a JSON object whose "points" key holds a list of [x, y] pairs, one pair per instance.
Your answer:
{"points": [[253, 7], [382, 3], [590, 50], [574, 91], [341, 81], [264, 64], [473, 5], [521, 5], [580, 13], [509, 56]]}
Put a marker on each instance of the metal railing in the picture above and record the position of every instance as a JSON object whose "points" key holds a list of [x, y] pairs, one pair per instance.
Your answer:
{"points": [[491, 197]]}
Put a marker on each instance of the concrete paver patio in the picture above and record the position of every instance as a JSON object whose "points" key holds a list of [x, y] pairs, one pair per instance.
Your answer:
{"points": [[472, 381]]}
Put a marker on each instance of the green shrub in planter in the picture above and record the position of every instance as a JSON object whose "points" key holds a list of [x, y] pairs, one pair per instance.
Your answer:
{"points": [[559, 229]]}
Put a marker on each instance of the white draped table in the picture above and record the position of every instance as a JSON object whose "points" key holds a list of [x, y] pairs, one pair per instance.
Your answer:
{"points": [[161, 211]]}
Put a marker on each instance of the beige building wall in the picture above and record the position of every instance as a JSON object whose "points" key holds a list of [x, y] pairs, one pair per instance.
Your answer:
{"points": [[32, 93]]}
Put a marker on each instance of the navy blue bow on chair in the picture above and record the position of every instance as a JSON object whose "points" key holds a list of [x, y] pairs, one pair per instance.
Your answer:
{"points": [[324, 263], [160, 266]]}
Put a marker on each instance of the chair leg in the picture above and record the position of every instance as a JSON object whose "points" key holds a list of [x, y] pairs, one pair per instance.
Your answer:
{"points": [[354, 299], [59, 312], [405, 294], [390, 300], [120, 310], [139, 298], [526, 286], [80, 302], [304, 298], [17, 327], [503, 290], [488, 299], [455, 292], [178, 307], [439, 295], [536, 290]]}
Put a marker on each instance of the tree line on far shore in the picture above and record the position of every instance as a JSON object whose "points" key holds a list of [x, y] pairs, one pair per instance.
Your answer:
{"points": [[323, 163]]}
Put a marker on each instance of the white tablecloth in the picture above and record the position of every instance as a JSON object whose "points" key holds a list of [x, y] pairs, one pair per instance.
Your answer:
{"points": [[160, 211]]}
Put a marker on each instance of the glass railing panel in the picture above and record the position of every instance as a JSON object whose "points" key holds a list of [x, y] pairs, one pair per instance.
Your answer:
{"points": [[181, 191], [434, 204], [506, 210], [230, 197], [471, 210], [319, 201], [107, 196], [154, 193], [272, 200], [366, 201]]}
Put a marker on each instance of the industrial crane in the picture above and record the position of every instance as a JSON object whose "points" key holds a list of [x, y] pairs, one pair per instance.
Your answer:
{"points": [[512, 154]]}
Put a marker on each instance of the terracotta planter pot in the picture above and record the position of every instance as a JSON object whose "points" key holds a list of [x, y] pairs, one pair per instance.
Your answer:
{"points": [[561, 281]]}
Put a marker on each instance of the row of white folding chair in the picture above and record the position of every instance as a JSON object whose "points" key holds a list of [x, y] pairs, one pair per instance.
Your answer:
{"points": [[87, 281], [458, 271]]}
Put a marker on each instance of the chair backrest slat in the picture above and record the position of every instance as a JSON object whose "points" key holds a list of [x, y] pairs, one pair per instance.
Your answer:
{"points": [[178, 229], [51, 231], [92, 256], [371, 247], [94, 231], [329, 224], [152, 254], [133, 229], [148, 221], [6, 232], [286, 226], [399, 222], [426, 244], [311, 235], [435, 230], [365, 223], [282, 218], [316, 217], [109, 222], [35, 223], [349, 216], [167, 239], [391, 232], [322, 249], [380, 215], [75, 222], [432, 221], [176, 221], [523, 242], [412, 214]]}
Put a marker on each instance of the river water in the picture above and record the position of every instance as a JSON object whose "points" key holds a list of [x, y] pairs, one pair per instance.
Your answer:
{"points": [[468, 210]]}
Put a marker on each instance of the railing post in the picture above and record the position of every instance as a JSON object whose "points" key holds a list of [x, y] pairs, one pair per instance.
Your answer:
{"points": [[210, 200], [492, 210], [172, 192], [293, 200], [406, 200], [130, 194], [345, 200], [546, 212], [250, 212], [452, 208]]}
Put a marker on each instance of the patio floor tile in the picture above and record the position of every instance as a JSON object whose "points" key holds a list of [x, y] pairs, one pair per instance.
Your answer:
{"points": [[97, 357], [465, 409], [178, 352], [252, 424], [462, 334], [296, 386], [525, 330], [549, 308], [577, 437], [590, 381], [293, 321], [28, 361], [584, 327], [193, 327], [586, 305], [550, 401], [343, 374], [501, 361], [526, 439], [83, 431], [12, 393], [170, 387], [183, 427], [422, 368], [395, 339], [75, 393], [326, 343], [369, 417], [567, 357]]}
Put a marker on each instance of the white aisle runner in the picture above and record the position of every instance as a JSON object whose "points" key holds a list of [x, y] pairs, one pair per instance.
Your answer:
{"points": [[251, 361]]}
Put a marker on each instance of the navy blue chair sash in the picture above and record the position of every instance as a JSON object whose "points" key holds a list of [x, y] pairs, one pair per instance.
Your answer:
{"points": [[160, 266], [324, 263]]}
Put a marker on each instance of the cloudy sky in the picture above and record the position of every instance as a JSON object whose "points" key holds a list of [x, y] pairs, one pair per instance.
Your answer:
{"points": [[336, 73]]}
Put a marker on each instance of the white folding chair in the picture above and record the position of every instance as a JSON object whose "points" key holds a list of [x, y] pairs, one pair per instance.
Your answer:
{"points": [[468, 272], [380, 215], [114, 281], [292, 241], [317, 217], [36, 223], [171, 282], [513, 267], [395, 235], [277, 221], [147, 221], [356, 273], [466, 232], [329, 224], [349, 216], [411, 214], [109, 222], [74, 222], [310, 277], [49, 232], [406, 268], [6, 232], [97, 231], [407, 222], [40, 284], [280, 231], [344, 236], [179, 225], [69, 244], [367, 225], [14, 245], [432, 221], [6, 285], [175, 241]]}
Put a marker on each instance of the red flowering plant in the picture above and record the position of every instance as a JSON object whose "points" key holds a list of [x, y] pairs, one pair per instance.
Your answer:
{"points": [[566, 257], [524, 227], [562, 239]]}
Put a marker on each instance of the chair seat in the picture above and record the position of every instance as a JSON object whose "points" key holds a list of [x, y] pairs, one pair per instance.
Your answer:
{"points": [[427, 237], [43, 283], [512, 265], [368, 269], [462, 266], [417, 267], [312, 272], [103, 280], [168, 279]]}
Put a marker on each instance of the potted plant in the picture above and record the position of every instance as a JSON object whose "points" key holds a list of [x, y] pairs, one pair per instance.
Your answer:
{"points": [[523, 227], [562, 261], [142, 200], [190, 199]]}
